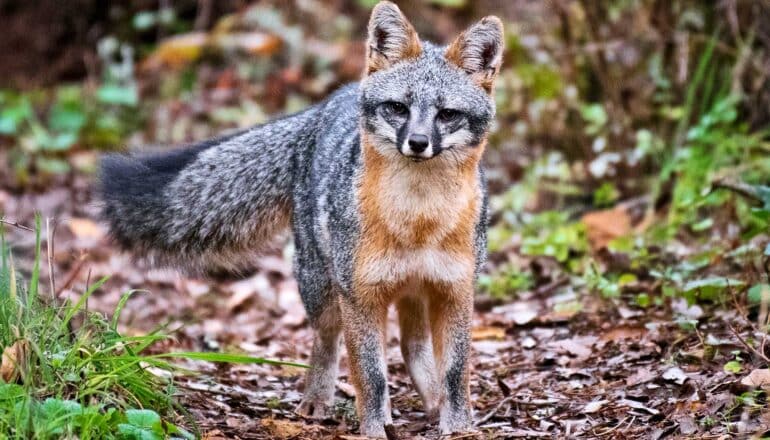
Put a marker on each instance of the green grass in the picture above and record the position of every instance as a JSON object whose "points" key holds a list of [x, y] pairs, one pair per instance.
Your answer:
{"points": [[68, 372]]}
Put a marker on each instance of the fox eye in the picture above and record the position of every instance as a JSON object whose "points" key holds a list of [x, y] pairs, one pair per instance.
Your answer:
{"points": [[448, 115], [395, 108]]}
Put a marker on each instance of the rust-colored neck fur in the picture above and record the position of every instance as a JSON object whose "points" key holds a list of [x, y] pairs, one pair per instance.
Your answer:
{"points": [[425, 211]]}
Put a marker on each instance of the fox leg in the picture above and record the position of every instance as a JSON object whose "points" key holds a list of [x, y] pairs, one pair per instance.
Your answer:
{"points": [[451, 313], [417, 349], [321, 378], [363, 324]]}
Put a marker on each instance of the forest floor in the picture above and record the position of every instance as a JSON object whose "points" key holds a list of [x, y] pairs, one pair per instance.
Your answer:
{"points": [[626, 294], [603, 370]]}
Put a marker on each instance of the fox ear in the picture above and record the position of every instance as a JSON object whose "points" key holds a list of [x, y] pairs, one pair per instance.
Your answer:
{"points": [[391, 38], [479, 51]]}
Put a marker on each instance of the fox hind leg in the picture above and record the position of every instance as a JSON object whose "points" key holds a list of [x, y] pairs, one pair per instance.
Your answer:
{"points": [[321, 378]]}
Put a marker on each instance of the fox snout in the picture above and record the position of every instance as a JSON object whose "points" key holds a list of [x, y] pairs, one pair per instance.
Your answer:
{"points": [[417, 147]]}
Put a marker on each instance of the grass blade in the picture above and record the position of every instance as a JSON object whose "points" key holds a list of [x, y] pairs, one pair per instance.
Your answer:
{"points": [[228, 358]]}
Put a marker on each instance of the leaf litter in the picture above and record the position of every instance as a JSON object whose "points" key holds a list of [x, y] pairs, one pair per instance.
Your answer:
{"points": [[588, 375]]}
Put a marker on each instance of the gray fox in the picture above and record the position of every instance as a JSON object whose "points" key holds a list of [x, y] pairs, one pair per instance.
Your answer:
{"points": [[384, 192]]}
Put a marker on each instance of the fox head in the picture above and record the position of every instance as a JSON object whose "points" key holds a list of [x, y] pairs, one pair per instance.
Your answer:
{"points": [[423, 102]]}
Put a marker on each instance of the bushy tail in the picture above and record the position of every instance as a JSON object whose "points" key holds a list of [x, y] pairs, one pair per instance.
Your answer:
{"points": [[208, 207]]}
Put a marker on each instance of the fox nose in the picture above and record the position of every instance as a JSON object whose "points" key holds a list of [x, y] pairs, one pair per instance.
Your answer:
{"points": [[418, 143]]}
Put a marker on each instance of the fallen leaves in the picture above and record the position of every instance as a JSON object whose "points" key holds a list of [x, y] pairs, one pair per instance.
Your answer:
{"points": [[675, 375], [177, 51], [181, 50], [604, 226], [85, 228], [593, 406], [14, 361], [283, 429], [757, 378], [481, 333]]}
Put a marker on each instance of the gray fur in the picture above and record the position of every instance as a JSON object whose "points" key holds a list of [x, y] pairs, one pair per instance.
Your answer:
{"points": [[220, 203]]}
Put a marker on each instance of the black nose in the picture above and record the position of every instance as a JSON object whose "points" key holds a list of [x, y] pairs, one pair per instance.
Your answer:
{"points": [[418, 142]]}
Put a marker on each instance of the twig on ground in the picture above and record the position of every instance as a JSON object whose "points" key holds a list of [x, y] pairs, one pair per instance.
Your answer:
{"points": [[509, 399], [746, 344], [494, 411], [737, 187], [550, 287], [72, 275], [16, 225]]}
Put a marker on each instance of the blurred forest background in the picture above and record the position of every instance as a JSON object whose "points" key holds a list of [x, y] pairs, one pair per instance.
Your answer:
{"points": [[627, 290]]}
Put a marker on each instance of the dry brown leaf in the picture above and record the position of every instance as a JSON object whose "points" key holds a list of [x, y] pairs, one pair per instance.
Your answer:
{"points": [[282, 428], [480, 333], [214, 435], [757, 378], [676, 375], [580, 346], [253, 43], [85, 228], [346, 388], [642, 375], [593, 406], [14, 361], [605, 226], [177, 51], [520, 312], [623, 332]]}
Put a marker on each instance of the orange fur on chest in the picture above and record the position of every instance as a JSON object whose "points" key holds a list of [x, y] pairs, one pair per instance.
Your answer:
{"points": [[433, 219]]}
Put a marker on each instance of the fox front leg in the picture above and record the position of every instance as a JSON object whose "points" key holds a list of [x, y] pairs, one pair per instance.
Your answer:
{"points": [[417, 350], [451, 313], [363, 325]]}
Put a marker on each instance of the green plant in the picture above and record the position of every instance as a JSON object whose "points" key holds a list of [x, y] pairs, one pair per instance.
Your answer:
{"points": [[553, 234], [68, 372], [43, 126], [64, 381], [506, 281]]}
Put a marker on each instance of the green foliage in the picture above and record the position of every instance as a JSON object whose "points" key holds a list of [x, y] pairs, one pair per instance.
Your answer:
{"points": [[72, 382], [541, 80], [595, 117], [552, 234], [506, 281], [733, 367], [757, 292], [606, 195], [43, 126], [597, 282], [85, 380], [43, 130]]}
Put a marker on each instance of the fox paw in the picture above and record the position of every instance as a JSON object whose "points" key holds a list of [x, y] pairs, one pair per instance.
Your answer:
{"points": [[456, 421], [373, 430], [314, 409]]}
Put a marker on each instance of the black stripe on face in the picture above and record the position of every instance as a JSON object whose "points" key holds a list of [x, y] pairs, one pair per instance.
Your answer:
{"points": [[478, 128], [435, 139], [401, 133]]}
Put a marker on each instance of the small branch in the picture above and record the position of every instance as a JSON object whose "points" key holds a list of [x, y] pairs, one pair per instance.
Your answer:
{"points": [[749, 347], [72, 275], [509, 399], [492, 413], [16, 225], [737, 187]]}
